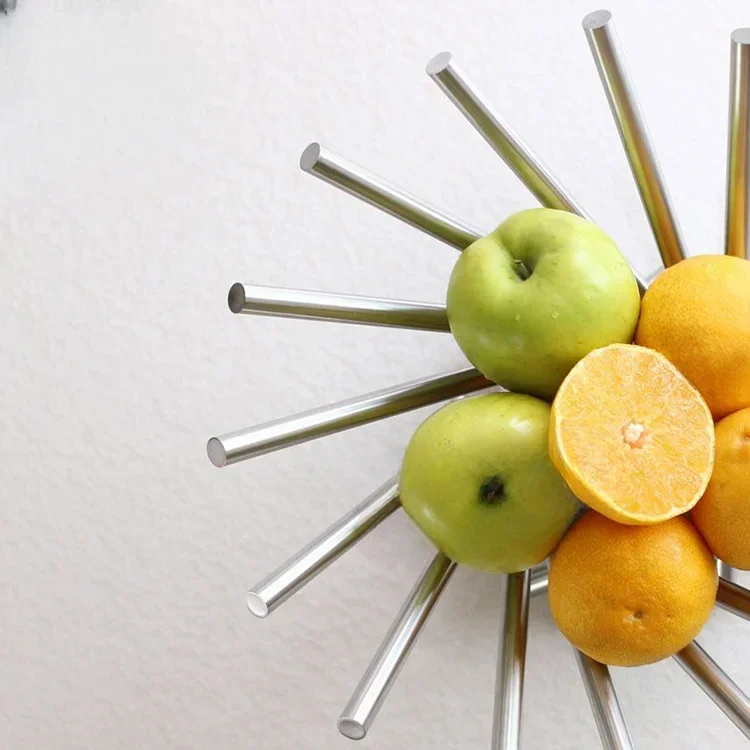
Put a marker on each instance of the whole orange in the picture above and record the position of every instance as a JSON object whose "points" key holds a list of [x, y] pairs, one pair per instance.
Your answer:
{"points": [[723, 513], [697, 314], [631, 595]]}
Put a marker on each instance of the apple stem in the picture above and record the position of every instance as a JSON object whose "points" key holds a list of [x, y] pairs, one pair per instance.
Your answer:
{"points": [[522, 270]]}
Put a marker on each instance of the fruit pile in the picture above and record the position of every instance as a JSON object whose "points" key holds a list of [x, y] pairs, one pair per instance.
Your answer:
{"points": [[603, 455]]}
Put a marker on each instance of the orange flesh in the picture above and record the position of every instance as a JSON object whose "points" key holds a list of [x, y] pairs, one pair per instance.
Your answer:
{"points": [[631, 435]]}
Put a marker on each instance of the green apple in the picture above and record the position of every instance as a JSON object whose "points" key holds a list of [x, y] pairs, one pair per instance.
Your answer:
{"points": [[529, 300], [478, 480]]}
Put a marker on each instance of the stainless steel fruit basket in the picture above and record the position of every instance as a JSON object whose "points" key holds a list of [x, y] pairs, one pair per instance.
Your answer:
{"points": [[290, 577]]}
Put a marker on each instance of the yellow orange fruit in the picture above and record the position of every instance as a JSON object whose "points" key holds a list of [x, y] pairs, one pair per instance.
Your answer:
{"points": [[697, 313], [631, 595], [722, 515], [631, 436]]}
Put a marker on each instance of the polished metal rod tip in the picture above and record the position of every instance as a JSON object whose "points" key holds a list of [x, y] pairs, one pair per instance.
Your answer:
{"points": [[256, 605], [315, 557], [217, 454], [733, 598], [726, 572], [597, 19], [511, 664], [508, 145], [634, 135], [310, 156], [351, 729], [369, 695], [439, 63], [357, 181], [237, 298], [252, 299], [737, 231], [741, 36], [283, 433], [539, 580], [717, 685], [613, 731]]}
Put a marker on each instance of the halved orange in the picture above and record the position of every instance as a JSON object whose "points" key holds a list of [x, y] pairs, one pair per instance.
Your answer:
{"points": [[631, 436]]}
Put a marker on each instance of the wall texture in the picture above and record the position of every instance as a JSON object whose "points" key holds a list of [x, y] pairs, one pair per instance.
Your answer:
{"points": [[149, 160]]}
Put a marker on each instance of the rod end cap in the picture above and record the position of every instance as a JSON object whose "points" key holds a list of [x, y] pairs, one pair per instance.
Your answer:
{"points": [[216, 452], [597, 20], [310, 157], [439, 63], [236, 297], [256, 605], [351, 729]]}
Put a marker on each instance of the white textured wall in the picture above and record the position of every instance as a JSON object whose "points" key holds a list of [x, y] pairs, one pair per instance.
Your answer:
{"points": [[148, 159]]}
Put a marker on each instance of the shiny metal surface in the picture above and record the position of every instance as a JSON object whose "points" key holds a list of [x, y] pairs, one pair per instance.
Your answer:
{"points": [[725, 571], [511, 663], [373, 688], [514, 152], [315, 557], [283, 433], [539, 580], [717, 685], [252, 299], [357, 181], [733, 598], [737, 239], [634, 135], [527, 166], [613, 730]]}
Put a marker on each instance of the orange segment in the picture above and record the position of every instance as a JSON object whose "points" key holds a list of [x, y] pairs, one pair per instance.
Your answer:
{"points": [[631, 436]]}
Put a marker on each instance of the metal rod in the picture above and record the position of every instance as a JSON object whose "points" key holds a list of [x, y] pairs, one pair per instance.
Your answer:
{"points": [[725, 571], [733, 598], [513, 151], [315, 557], [539, 580], [353, 179], [373, 688], [252, 299], [299, 428], [717, 685], [613, 730], [511, 663], [737, 234], [634, 135]]}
